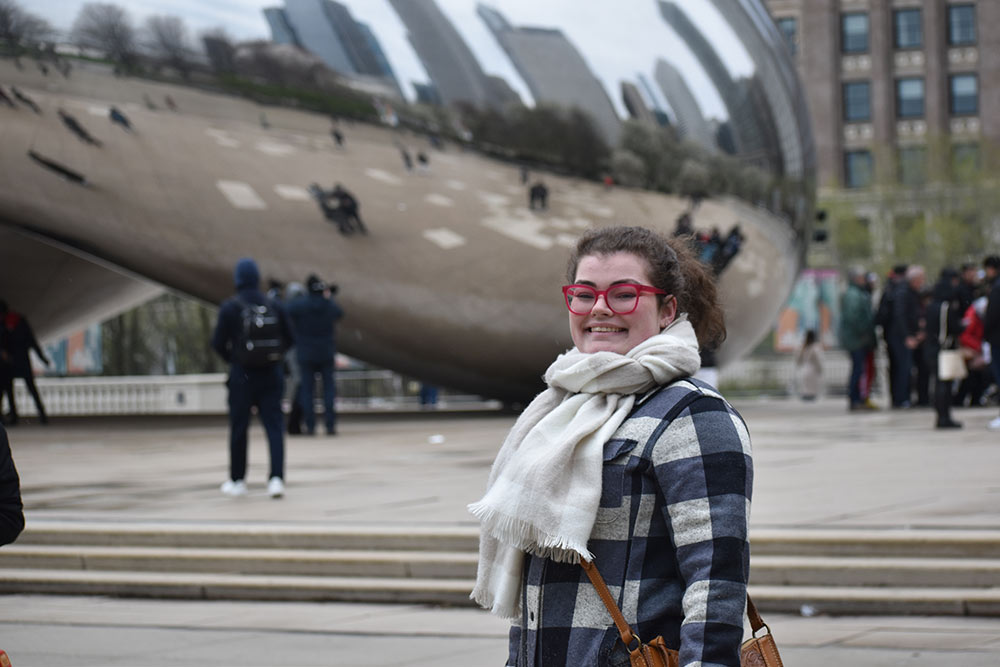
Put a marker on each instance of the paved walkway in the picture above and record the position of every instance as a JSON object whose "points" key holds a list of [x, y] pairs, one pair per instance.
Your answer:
{"points": [[816, 466]]}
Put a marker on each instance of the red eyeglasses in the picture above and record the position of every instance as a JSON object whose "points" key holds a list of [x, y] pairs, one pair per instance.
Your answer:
{"points": [[622, 299]]}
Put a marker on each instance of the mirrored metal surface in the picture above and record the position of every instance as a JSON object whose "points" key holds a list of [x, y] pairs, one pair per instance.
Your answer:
{"points": [[442, 118]]}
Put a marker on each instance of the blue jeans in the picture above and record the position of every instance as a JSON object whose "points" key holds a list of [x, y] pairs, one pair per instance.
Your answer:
{"points": [[309, 371], [859, 359]]}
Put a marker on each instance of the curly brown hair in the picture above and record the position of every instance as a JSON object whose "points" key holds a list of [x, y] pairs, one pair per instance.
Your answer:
{"points": [[672, 267]]}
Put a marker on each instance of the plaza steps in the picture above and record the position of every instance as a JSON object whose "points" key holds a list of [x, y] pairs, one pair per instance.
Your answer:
{"points": [[837, 571]]}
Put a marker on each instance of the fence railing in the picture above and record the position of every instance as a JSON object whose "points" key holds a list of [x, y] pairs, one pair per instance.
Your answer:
{"points": [[356, 390], [206, 394]]}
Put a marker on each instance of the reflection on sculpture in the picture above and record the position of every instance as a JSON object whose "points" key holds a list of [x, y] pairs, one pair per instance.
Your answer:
{"points": [[674, 109]]}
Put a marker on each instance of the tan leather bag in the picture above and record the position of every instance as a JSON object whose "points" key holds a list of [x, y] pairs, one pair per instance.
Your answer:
{"points": [[756, 652]]}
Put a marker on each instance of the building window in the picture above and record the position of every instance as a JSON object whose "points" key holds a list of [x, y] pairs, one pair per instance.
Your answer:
{"points": [[857, 101], [858, 169], [907, 31], [964, 97], [965, 161], [854, 33], [961, 25], [789, 27], [909, 98], [912, 165]]}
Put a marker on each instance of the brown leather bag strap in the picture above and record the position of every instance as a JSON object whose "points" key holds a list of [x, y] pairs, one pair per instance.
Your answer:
{"points": [[602, 589], [756, 622]]}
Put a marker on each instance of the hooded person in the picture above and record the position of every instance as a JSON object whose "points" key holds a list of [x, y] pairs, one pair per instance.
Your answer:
{"points": [[314, 317], [252, 335]]}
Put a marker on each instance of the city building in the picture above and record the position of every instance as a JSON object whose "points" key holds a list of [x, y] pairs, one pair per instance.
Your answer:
{"points": [[904, 97], [754, 133], [636, 105], [689, 120], [328, 30], [282, 31], [454, 71], [554, 70]]}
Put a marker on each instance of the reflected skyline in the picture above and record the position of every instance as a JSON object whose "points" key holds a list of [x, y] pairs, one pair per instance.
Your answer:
{"points": [[648, 37]]}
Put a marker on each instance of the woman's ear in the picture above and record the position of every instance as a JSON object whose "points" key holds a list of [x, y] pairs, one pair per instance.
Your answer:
{"points": [[668, 312]]}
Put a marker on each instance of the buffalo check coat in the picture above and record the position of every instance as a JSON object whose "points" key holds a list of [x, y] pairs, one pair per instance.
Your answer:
{"points": [[670, 540]]}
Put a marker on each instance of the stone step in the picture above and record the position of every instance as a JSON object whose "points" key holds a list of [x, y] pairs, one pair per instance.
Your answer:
{"points": [[765, 570], [212, 586], [869, 542], [243, 536], [303, 562], [961, 543]]}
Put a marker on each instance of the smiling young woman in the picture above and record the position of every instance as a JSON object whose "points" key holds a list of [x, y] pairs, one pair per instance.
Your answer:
{"points": [[627, 462]]}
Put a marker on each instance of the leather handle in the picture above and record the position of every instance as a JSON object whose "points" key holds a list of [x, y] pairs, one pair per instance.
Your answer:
{"points": [[602, 590], [756, 622]]}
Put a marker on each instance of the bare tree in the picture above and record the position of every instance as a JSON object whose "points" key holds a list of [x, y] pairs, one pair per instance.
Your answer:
{"points": [[107, 28], [19, 28], [168, 40]]}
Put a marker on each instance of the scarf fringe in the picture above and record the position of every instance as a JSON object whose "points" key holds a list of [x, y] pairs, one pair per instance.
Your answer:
{"points": [[528, 538]]}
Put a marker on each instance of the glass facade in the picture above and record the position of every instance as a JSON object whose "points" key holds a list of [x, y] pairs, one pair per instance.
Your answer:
{"points": [[859, 169], [909, 98], [854, 33], [912, 163], [907, 30], [789, 27], [961, 25], [857, 101], [963, 98]]}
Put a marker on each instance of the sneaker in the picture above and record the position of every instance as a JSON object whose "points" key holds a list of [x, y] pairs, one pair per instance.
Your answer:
{"points": [[275, 487], [234, 487], [994, 425]]}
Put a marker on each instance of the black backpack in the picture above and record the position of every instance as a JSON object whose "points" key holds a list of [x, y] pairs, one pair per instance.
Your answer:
{"points": [[259, 343]]}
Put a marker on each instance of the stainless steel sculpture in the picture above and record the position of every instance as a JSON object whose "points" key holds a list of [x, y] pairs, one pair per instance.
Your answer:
{"points": [[457, 281]]}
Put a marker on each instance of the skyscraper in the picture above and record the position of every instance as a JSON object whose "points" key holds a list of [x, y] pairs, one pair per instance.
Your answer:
{"points": [[454, 70], [691, 122], [554, 70], [754, 134], [282, 31], [313, 21], [327, 30]]}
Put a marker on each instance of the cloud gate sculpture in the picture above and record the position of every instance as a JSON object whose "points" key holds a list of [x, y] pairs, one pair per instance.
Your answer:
{"points": [[479, 139]]}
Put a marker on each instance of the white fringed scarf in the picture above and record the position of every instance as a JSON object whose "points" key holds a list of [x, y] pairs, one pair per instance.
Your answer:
{"points": [[545, 485]]}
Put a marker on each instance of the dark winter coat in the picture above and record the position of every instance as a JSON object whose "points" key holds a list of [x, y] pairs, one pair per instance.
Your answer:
{"points": [[313, 318], [11, 509]]}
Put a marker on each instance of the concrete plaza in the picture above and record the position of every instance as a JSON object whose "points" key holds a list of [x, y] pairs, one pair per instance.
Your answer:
{"points": [[817, 466]]}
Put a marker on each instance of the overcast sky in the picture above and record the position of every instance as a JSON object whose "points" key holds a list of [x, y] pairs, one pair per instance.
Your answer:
{"points": [[617, 45]]}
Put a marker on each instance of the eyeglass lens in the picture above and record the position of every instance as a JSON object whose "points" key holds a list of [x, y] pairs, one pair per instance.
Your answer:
{"points": [[621, 299]]}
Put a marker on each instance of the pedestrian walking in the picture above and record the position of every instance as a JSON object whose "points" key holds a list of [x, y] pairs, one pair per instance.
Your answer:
{"points": [[944, 324], [809, 367], [17, 341], [252, 335], [906, 333], [991, 322], [857, 334], [314, 317], [627, 463]]}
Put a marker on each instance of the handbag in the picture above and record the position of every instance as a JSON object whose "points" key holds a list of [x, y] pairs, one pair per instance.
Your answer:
{"points": [[951, 363], [758, 651]]}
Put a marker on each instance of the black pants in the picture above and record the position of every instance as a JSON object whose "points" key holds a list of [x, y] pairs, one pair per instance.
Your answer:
{"points": [[261, 388], [8, 388]]}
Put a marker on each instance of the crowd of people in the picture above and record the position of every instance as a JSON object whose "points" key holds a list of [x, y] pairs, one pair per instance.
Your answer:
{"points": [[938, 338], [264, 338]]}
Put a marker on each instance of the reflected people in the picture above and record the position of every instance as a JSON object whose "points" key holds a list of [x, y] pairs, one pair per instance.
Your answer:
{"points": [[682, 106]]}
